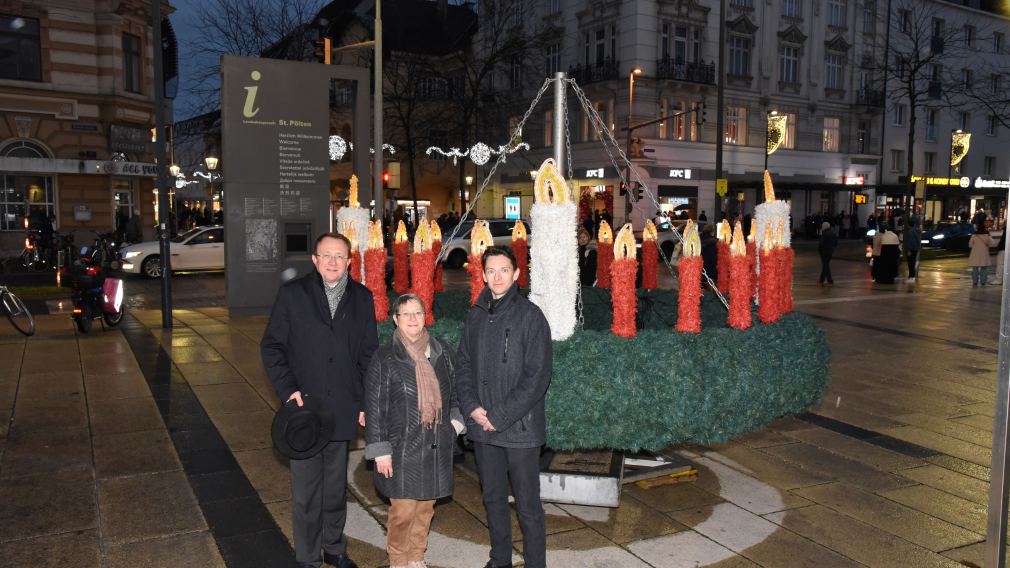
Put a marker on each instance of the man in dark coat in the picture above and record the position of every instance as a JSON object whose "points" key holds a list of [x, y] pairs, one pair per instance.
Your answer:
{"points": [[504, 369], [319, 342], [912, 242], [826, 246]]}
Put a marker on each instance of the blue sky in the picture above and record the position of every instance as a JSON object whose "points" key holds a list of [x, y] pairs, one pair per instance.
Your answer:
{"points": [[183, 22]]}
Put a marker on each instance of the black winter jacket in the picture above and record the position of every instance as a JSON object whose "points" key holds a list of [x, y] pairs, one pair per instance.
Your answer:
{"points": [[305, 349], [422, 457], [504, 366]]}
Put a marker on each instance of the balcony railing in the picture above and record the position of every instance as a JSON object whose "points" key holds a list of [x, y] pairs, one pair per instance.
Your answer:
{"points": [[594, 73], [870, 97], [685, 71]]}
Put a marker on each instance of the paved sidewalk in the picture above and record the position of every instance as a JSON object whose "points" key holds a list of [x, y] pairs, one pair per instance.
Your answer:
{"points": [[140, 447]]}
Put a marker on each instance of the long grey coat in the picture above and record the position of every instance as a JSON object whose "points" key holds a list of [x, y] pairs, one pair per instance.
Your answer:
{"points": [[422, 457]]}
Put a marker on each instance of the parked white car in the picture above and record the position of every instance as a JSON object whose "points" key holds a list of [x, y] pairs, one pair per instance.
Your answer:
{"points": [[459, 247], [200, 248]]}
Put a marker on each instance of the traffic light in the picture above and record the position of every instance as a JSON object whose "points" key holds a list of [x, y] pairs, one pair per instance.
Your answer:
{"points": [[385, 180], [624, 189], [699, 113], [323, 52]]}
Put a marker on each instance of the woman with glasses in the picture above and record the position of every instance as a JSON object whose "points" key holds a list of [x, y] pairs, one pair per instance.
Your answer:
{"points": [[411, 424]]}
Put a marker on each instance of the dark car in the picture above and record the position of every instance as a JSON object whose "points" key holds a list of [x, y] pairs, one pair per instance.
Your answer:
{"points": [[949, 236]]}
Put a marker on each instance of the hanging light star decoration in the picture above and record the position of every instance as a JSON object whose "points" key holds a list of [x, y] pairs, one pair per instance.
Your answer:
{"points": [[338, 147], [480, 153]]}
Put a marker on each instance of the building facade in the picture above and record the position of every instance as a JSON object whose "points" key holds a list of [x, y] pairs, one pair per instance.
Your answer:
{"points": [[76, 116]]}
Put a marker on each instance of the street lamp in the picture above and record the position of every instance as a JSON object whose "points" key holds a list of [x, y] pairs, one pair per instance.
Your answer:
{"points": [[768, 121], [627, 150], [174, 169], [212, 162]]}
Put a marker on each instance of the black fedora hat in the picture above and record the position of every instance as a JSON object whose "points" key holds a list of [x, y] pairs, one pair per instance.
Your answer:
{"points": [[300, 432]]}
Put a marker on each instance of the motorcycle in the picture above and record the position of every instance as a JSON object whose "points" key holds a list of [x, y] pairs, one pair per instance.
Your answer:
{"points": [[96, 296]]}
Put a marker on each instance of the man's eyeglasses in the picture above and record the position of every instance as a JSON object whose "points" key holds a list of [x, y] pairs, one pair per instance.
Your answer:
{"points": [[408, 315], [326, 257]]}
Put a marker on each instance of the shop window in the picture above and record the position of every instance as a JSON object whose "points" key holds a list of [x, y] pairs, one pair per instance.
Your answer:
{"points": [[20, 49], [131, 63], [25, 196]]}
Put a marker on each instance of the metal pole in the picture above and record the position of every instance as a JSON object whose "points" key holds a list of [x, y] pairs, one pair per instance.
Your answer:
{"points": [[627, 151], [161, 157], [996, 524], [380, 198], [560, 102], [950, 156], [766, 143], [883, 98], [720, 101]]}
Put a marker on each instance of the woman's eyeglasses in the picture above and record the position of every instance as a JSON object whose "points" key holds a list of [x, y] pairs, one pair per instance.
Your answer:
{"points": [[416, 315]]}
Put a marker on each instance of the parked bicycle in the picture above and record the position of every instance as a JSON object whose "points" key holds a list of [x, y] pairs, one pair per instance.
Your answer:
{"points": [[17, 312], [105, 251], [32, 256]]}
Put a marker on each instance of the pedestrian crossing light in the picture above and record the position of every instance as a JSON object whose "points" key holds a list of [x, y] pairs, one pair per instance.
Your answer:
{"points": [[700, 114], [324, 50]]}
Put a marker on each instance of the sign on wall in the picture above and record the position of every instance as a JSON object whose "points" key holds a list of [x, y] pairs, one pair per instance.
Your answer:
{"points": [[513, 207]]}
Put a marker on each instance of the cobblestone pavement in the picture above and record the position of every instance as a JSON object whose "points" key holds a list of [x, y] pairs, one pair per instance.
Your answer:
{"points": [[144, 447]]}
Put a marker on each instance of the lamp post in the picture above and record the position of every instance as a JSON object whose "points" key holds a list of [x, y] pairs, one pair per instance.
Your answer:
{"points": [[771, 113], [627, 149], [211, 162]]}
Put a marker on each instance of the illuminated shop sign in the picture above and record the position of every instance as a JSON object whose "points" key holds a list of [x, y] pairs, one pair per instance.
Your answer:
{"points": [[680, 174], [860, 199], [992, 183], [597, 173], [855, 180], [955, 182]]}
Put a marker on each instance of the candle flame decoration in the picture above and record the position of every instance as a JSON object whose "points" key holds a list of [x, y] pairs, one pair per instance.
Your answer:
{"points": [[401, 233], [606, 234], [422, 237], [650, 233], [435, 231], [624, 244], [348, 231], [691, 241], [724, 231], [778, 234], [352, 194], [375, 234], [739, 245], [752, 237], [769, 188], [769, 239], [480, 237], [549, 186], [519, 231]]}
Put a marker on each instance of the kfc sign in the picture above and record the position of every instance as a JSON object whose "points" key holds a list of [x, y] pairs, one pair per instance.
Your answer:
{"points": [[597, 173], [680, 174], [856, 180]]}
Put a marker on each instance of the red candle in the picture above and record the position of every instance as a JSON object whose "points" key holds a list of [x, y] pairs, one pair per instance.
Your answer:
{"points": [[401, 277], [480, 239], [355, 265], [722, 256], [436, 245], [689, 269], [422, 267], [650, 256], [520, 247], [622, 292], [768, 300], [786, 279], [375, 270], [752, 263], [604, 255], [739, 282]]}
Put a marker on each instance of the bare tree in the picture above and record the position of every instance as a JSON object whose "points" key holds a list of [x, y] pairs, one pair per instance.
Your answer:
{"points": [[245, 28], [494, 71], [920, 71]]}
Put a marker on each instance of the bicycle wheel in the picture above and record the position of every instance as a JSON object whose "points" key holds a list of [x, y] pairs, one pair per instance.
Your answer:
{"points": [[18, 313]]}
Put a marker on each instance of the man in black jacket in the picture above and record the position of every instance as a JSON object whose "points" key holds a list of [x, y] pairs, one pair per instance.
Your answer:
{"points": [[826, 247], [318, 342], [502, 376]]}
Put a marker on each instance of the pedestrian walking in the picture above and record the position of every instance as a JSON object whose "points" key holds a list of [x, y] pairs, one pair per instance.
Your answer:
{"points": [[826, 247], [319, 342], [587, 259], [890, 253], [912, 242], [411, 425], [978, 257], [1000, 257], [504, 370]]}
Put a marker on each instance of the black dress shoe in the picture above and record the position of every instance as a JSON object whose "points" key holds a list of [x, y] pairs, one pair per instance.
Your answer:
{"points": [[492, 565], [339, 560]]}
